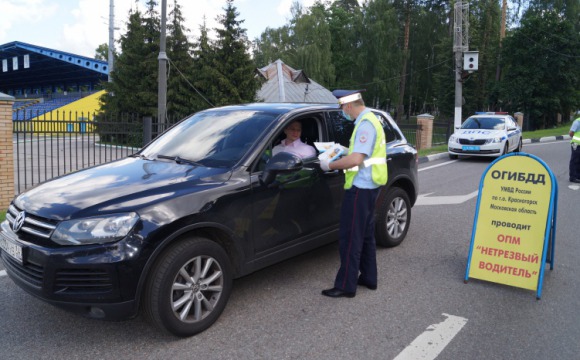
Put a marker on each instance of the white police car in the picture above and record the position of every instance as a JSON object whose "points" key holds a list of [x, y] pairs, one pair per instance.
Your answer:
{"points": [[486, 134]]}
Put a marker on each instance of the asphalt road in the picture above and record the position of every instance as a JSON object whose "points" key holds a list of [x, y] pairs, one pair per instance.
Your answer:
{"points": [[278, 313]]}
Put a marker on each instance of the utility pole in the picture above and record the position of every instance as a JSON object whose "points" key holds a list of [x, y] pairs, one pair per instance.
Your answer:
{"points": [[111, 37], [460, 44], [162, 76]]}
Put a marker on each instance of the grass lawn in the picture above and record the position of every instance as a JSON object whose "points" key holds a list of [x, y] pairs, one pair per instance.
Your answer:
{"points": [[561, 130], [2, 215]]}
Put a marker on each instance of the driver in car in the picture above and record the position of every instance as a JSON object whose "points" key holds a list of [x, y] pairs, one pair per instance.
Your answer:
{"points": [[292, 143]]}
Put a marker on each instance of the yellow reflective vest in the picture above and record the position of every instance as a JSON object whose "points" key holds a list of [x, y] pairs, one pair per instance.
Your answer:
{"points": [[576, 138], [377, 160]]}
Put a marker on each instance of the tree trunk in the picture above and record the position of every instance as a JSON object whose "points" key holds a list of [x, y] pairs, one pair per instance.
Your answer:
{"points": [[402, 83], [501, 36]]}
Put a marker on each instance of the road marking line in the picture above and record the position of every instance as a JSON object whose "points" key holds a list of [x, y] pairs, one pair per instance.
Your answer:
{"points": [[434, 166], [542, 143], [431, 343], [425, 199], [574, 187], [3, 273]]}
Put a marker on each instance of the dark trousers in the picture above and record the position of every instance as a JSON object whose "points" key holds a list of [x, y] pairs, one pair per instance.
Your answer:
{"points": [[575, 163], [357, 239]]}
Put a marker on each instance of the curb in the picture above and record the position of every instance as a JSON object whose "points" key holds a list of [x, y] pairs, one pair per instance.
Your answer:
{"points": [[547, 139], [424, 159]]}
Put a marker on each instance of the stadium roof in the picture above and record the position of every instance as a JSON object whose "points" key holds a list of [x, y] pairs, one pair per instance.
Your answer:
{"points": [[24, 65]]}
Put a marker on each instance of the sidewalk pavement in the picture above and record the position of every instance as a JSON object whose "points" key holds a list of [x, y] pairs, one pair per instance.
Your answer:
{"points": [[432, 157]]}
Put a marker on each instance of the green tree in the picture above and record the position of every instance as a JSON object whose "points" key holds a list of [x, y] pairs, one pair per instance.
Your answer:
{"points": [[180, 101], [207, 80], [134, 85], [232, 60], [102, 52], [542, 68], [484, 29], [567, 9], [312, 45], [379, 56], [428, 29], [345, 26], [273, 44]]}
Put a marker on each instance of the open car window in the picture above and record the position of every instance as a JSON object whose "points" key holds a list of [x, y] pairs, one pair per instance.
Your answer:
{"points": [[311, 130]]}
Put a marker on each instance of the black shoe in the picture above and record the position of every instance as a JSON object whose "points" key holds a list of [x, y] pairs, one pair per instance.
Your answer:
{"points": [[336, 293], [575, 181], [370, 287]]}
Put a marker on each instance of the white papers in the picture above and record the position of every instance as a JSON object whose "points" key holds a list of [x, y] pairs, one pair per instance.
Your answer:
{"points": [[330, 150]]}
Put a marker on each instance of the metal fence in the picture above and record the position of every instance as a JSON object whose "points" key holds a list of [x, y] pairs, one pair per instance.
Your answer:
{"points": [[442, 130], [45, 148], [411, 131], [54, 144]]}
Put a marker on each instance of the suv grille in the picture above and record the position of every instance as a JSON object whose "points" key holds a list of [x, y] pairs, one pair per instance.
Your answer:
{"points": [[77, 281], [30, 273], [39, 228]]}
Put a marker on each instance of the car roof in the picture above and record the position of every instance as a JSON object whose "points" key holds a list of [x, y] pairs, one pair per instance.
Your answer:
{"points": [[503, 116], [279, 108]]}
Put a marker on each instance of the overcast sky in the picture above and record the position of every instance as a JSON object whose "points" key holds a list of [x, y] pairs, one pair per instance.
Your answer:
{"points": [[79, 26]]}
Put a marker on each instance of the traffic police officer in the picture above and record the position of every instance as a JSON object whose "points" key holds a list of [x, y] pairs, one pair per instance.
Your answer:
{"points": [[575, 156], [365, 169]]}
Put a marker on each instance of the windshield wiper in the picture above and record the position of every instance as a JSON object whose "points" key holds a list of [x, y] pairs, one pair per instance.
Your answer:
{"points": [[141, 156], [179, 160]]}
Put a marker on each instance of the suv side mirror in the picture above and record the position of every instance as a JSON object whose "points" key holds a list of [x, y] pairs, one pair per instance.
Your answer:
{"points": [[280, 163]]}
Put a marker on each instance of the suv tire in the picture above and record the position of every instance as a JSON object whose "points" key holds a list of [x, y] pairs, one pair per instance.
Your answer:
{"points": [[188, 287], [393, 218]]}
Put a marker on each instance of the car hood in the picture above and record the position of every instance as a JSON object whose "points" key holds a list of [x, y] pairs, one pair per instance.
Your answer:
{"points": [[124, 185], [475, 134]]}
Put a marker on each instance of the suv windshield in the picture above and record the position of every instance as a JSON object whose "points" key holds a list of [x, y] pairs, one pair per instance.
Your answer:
{"points": [[484, 123], [216, 138]]}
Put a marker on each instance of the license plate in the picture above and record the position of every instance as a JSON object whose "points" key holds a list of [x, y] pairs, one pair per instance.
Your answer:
{"points": [[12, 249], [470, 148]]}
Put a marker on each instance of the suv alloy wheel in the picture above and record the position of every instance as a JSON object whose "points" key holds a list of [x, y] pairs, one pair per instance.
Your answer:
{"points": [[189, 287]]}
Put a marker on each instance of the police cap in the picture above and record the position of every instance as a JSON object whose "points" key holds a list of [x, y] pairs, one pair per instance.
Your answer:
{"points": [[346, 96]]}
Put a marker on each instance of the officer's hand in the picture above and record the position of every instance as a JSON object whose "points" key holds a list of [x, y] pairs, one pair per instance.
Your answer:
{"points": [[325, 165]]}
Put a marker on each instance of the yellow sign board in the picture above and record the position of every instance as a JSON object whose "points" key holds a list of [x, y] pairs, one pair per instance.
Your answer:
{"points": [[513, 222]]}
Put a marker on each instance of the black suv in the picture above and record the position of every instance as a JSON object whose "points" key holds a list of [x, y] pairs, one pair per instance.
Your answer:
{"points": [[168, 228]]}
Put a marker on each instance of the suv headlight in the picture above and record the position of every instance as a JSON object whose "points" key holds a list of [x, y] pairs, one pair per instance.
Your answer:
{"points": [[94, 230], [452, 139]]}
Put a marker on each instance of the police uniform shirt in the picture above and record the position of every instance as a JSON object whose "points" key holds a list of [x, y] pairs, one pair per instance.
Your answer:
{"points": [[364, 143], [575, 125]]}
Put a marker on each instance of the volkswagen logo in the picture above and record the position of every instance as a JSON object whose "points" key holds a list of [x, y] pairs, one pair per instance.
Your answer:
{"points": [[19, 221]]}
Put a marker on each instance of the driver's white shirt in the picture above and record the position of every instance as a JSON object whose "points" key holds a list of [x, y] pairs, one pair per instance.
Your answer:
{"points": [[297, 148]]}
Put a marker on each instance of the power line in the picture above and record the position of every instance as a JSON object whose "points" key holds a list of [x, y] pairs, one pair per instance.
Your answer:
{"points": [[171, 63], [401, 76], [550, 50]]}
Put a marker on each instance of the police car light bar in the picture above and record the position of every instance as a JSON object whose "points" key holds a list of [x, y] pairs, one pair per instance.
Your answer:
{"points": [[491, 113]]}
